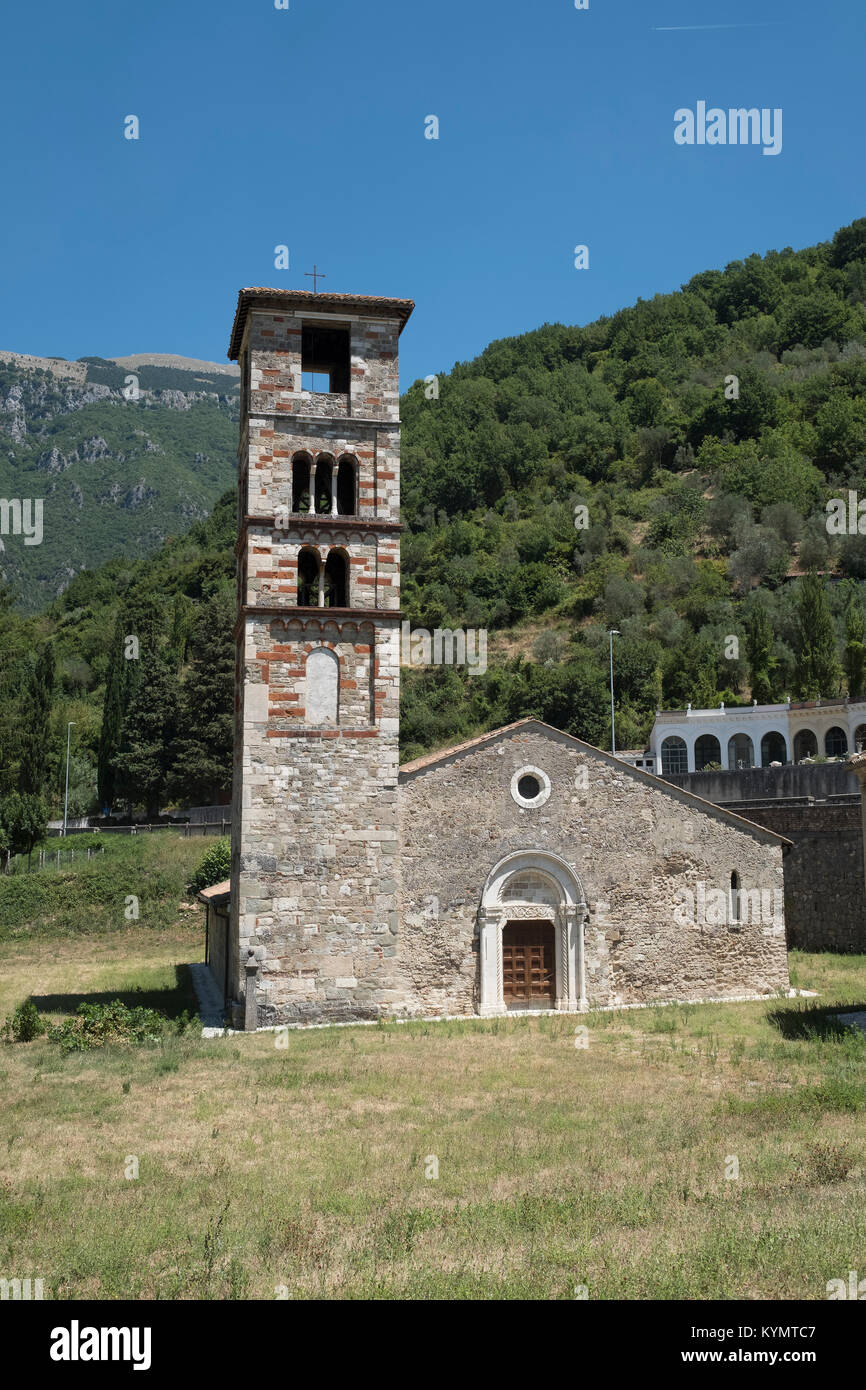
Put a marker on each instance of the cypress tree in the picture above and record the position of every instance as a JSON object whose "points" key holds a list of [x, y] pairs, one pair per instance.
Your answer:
{"points": [[202, 772], [37, 745], [818, 670], [112, 719], [147, 742], [136, 636], [854, 659], [759, 655]]}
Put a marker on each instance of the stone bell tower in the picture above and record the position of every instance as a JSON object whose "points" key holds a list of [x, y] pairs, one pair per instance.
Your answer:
{"points": [[315, 855]]}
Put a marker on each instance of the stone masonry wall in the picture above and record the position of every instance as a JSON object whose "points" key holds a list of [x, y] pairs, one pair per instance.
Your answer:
{"points": [[315, 872], [825, 906], [633, 843]]}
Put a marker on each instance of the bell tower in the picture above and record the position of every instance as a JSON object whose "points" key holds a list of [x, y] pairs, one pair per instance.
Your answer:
{"points": [[315, 854]]}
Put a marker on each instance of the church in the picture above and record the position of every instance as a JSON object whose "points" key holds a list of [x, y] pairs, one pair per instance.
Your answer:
{"points": [[522, 870]]}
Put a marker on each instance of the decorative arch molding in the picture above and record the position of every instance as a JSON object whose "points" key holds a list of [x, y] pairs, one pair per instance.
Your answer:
{"points": [[559, 899], [298, 631], [327, 534]]}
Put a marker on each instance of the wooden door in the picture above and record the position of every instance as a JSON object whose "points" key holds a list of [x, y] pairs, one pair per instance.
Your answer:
{"points": [[528, 965]]}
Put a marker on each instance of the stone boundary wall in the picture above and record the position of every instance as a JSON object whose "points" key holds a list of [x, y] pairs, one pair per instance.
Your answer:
{"points": [[818, 780], [817, 806], [825, 905]]}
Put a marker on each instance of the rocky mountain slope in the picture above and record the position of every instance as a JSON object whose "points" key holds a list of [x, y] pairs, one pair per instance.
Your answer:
{"points": [[121, 452]]}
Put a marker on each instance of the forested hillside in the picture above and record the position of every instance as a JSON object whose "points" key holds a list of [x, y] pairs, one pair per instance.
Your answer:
{"points": [[665, 471], [704, 432]]}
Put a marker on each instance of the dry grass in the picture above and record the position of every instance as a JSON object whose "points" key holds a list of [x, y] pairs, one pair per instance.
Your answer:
{"points": [[305, 1167]]}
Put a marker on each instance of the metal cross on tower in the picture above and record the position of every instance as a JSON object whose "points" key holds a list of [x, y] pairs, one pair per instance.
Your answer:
{"points": [[316, 274]]}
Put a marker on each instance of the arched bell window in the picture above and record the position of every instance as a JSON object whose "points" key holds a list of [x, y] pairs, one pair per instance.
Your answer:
{"points": [[336, 585], [325, 485], [301, 470], [308, 579], [347, 478]]}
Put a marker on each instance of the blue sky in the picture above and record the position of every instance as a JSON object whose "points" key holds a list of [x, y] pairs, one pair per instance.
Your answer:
{"points": [[305, 126]]}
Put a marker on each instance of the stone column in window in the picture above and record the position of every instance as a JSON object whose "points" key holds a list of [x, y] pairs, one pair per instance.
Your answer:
{"points": [[334, 471], [321, 583]]}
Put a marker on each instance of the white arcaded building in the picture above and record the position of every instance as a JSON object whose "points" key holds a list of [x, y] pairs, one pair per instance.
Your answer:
{"points": [[755, 735]]}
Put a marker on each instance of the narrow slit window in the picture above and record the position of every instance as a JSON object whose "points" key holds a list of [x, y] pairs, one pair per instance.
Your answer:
{"points": [[735, 896]]}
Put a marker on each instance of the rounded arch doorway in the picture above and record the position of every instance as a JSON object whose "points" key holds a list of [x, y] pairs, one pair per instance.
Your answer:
{"points": [[532, 918]]}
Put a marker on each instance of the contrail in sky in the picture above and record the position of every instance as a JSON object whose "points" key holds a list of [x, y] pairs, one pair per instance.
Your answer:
{"points": [[679, 28]]}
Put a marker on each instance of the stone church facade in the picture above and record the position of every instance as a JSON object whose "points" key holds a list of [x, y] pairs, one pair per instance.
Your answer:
{"points": [[523, 870]]}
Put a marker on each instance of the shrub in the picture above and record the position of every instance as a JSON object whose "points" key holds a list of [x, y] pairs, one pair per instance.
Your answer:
{"points": [[214, 867], [94, 1025], [25, 1023]]}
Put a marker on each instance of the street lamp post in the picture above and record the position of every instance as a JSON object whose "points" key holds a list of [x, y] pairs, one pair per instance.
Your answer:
{"points": [[69, 727], [613, 632]]}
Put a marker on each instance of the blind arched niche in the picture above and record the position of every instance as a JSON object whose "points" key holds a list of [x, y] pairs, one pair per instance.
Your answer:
{"points": [[322, 695]]}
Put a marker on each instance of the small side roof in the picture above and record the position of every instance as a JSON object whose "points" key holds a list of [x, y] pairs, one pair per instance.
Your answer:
{"points": [[301, 300], [218, 893], [419, 766]]}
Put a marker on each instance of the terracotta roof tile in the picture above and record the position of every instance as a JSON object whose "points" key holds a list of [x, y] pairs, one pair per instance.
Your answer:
{"points": [[401, 308], [216, 891]]}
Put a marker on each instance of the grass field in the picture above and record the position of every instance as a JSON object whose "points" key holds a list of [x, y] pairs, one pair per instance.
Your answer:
{"points": [[305, 1168]]}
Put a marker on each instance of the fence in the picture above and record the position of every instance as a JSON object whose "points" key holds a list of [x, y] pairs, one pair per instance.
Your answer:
{"points": [[189, 829], [56, 858], [48, 859]]}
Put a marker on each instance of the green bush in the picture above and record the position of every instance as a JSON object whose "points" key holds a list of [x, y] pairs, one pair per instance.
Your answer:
{"points": [[25, 1024], [214, 867], [94, 1025]]}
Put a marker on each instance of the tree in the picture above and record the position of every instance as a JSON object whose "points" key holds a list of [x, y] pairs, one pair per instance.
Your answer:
{"points": [[112, 720], [37, 750], [759, 655], [136, 636], [146, 749], [202, 770], [854, 658], [817, 668], [23, 822]]}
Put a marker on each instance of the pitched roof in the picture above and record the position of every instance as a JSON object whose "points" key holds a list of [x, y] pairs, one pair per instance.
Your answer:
{"points": [[216, 894], [306, 299], [409, 771]]}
